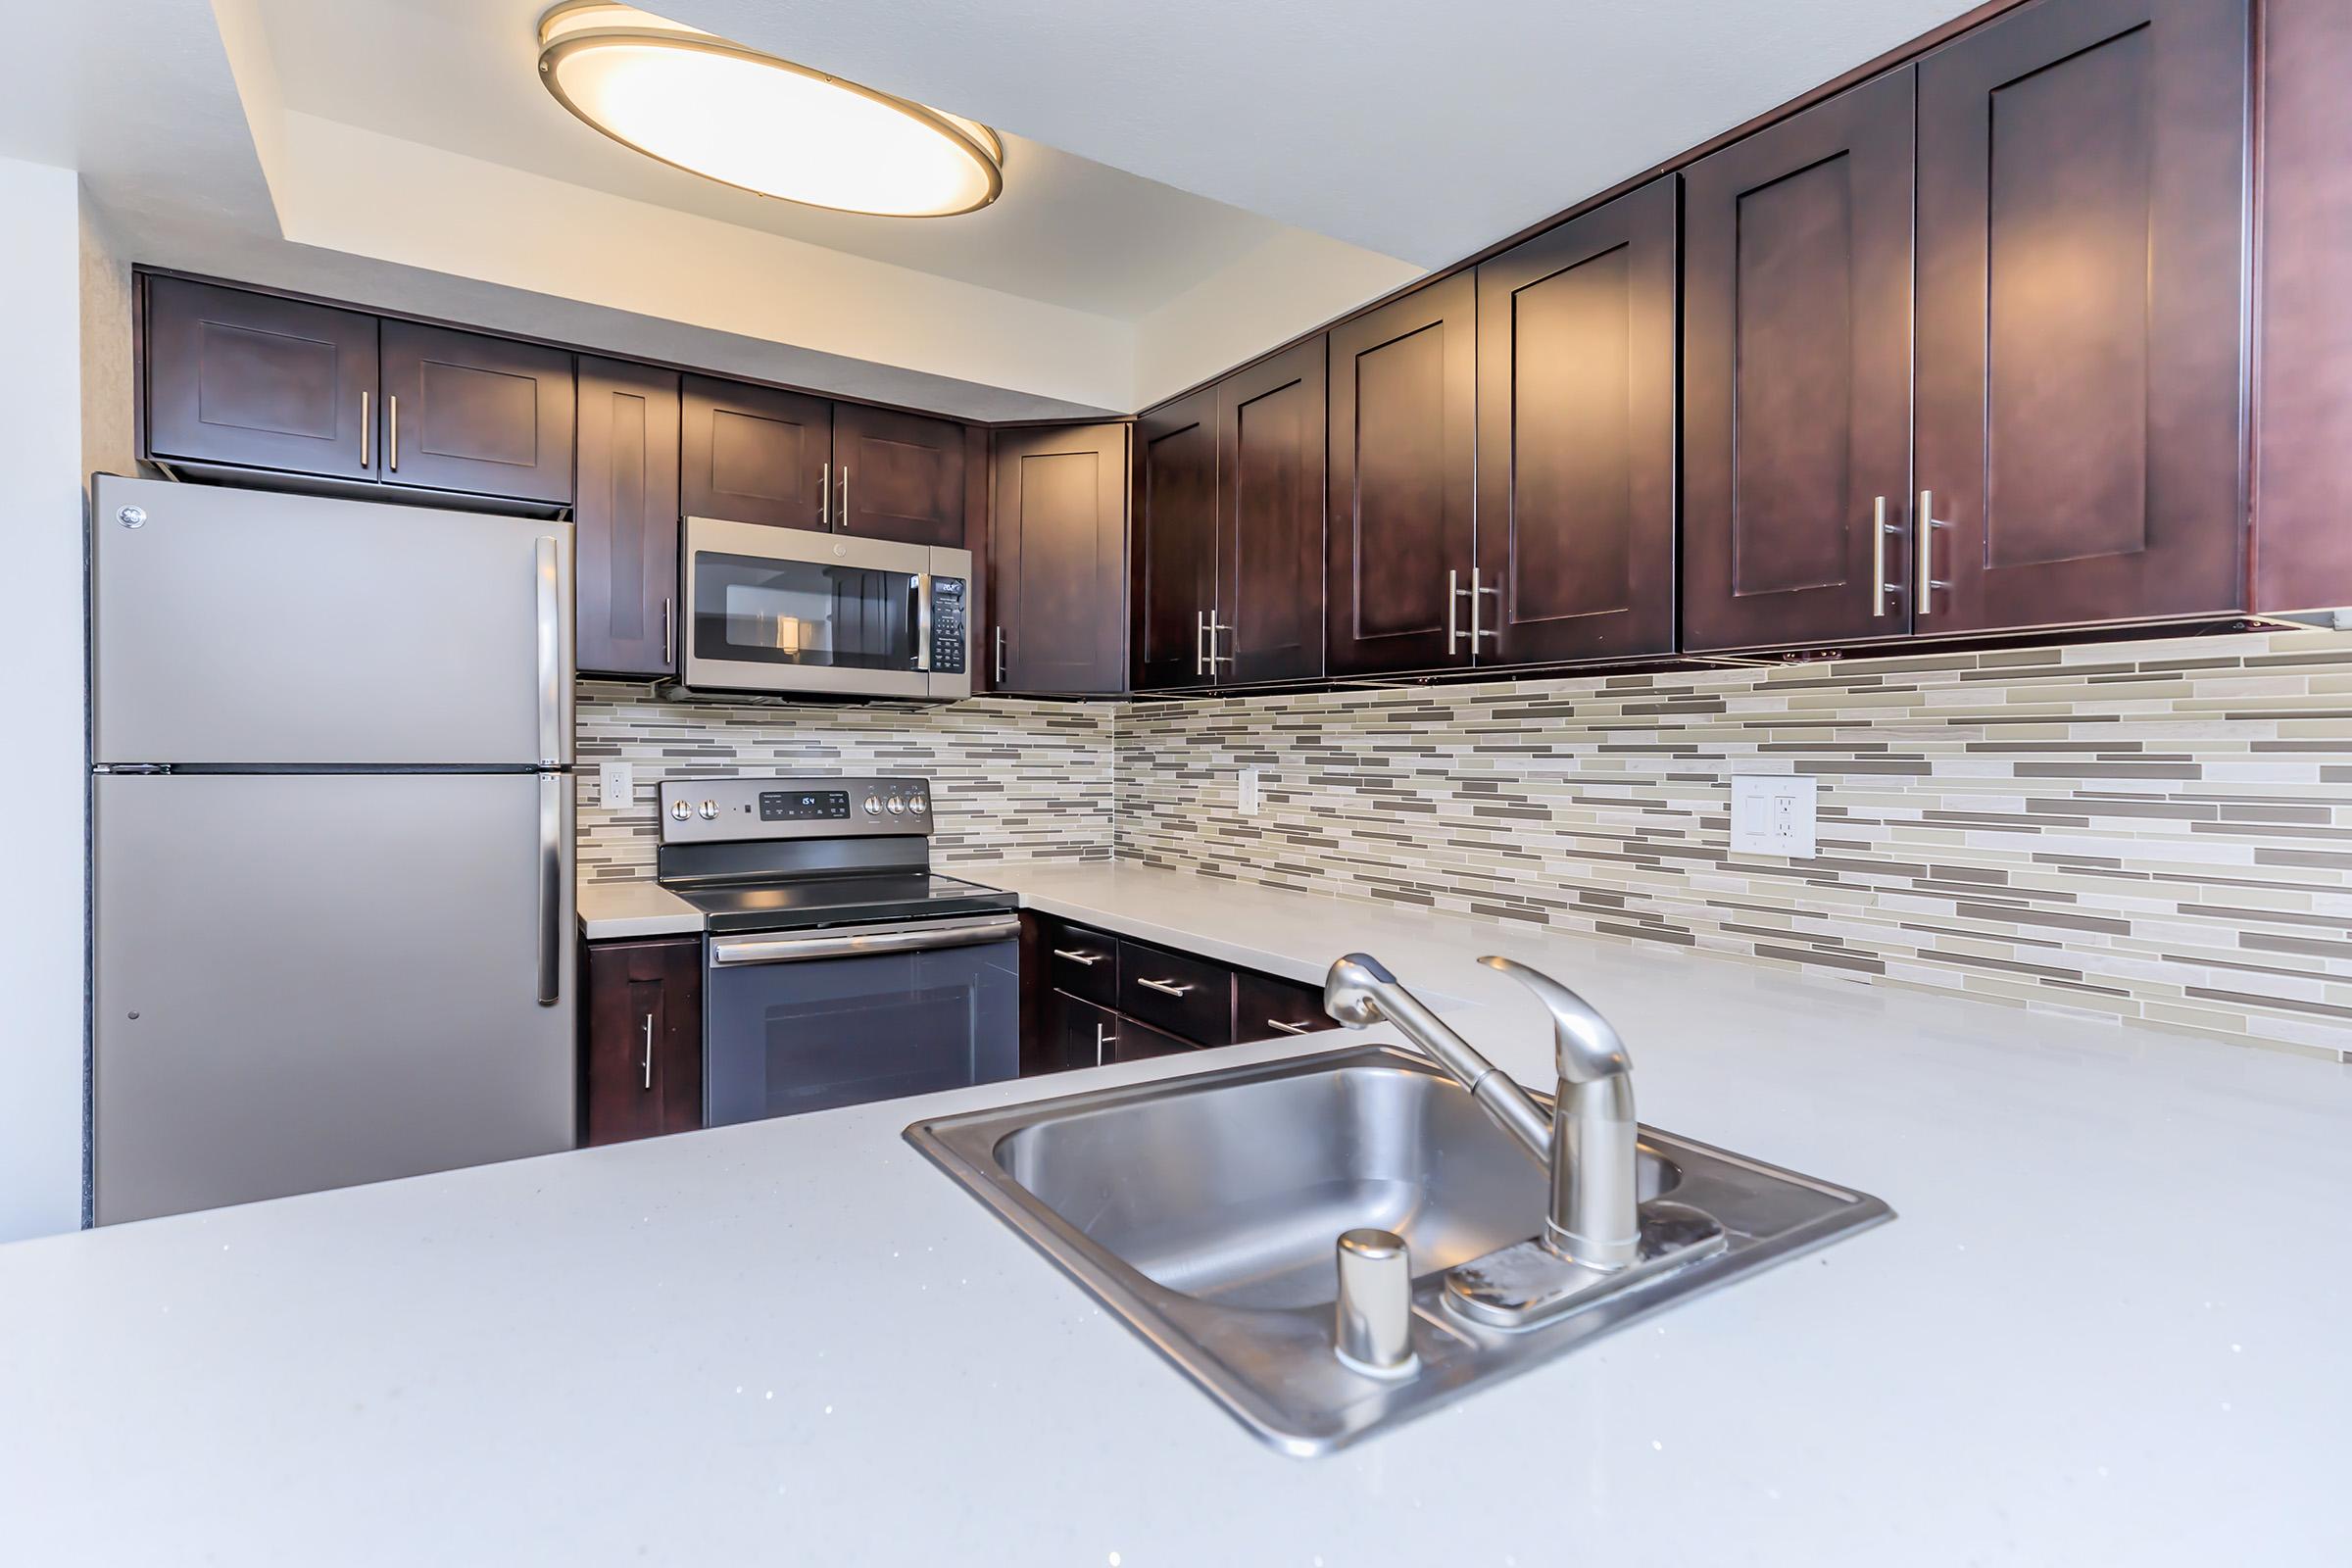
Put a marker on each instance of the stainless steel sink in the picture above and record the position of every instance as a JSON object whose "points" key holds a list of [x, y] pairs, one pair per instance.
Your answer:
{"points": [[1203, 1211]]}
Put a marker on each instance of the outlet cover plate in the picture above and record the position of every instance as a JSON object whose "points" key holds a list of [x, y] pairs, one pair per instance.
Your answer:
{"points": [[1773, 813], [614, 784]]}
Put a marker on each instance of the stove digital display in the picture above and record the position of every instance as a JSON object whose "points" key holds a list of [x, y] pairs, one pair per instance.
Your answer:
{"points": [[803, 805]]}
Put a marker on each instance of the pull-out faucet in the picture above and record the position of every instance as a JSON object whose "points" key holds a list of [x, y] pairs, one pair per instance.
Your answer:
{"points": [[1588, 1142]]}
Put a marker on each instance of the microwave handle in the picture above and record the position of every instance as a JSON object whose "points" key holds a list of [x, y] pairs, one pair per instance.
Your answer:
{"points": [[922, 613]]}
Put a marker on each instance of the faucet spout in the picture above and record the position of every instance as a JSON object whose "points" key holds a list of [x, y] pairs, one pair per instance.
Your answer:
{"points": [[1589, 1140]]}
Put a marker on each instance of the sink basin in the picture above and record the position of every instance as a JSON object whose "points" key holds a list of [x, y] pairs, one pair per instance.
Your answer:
{"points": [[1203, 1211], [1234, 1194]]}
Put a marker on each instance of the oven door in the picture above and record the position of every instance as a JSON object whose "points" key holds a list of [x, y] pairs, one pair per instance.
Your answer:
{"points": [[790, 611], [813, 1020]]}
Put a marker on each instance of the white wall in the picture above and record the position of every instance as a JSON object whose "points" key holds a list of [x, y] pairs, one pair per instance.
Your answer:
{"points": [[42, 767]]}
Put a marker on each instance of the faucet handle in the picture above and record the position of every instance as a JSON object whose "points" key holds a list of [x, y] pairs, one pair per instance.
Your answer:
{"points": [[1588, 1048]]}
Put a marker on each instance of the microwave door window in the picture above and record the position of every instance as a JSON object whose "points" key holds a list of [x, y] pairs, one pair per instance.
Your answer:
{"points": [[804, 612]]}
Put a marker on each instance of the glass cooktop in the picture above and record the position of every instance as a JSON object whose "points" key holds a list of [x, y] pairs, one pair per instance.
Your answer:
{"points": [[793, 904]]}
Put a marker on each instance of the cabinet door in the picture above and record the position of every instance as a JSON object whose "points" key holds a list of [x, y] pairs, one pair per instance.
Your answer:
{"points": [[641, 1063], [2303, 551], [1796, 377], [2082, 199], [1078, 1034], [1140, 1042], [1175, 541], [897, 477], [752, 454], [1270, 433], [486, 415], [626, 548], [1403, 482], [1576, 417], [1061, 534], [258, 381]]}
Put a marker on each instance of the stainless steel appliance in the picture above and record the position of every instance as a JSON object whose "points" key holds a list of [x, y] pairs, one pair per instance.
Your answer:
{"points": [[839, 968], [331, 857], [824, 614]]}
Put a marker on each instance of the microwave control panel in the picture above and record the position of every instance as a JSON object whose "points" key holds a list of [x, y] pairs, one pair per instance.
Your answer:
{"points": [[948, 636]]}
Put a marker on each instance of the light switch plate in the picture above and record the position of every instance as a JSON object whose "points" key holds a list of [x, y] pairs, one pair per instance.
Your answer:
{"points": [[1773, 813], [1253, 798], [614, 785]]}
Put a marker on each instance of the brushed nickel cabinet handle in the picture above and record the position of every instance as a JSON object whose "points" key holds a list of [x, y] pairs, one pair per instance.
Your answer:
{"points": [[845, 498], [669, 641], [364, 422], [1000, 677], [1090, 959], [1880, 528], [824, 495], [1928, 580], [1214, 658], [392, 409], [648, 1050], [1200, 641], [1104, 1041], [1453, 612], [1289, 1028], [1475, 632], [1166, 987]]}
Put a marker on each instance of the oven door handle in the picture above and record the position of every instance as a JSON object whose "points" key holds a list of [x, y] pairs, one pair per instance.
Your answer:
{"points": [[855, 942]]}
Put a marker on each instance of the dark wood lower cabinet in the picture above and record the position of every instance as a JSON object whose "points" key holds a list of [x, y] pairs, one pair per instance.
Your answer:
{"points": [[1140, 1042], [1076, 1033], [1089, 998], [2081, 192], [641, 1053], [625, 522]]}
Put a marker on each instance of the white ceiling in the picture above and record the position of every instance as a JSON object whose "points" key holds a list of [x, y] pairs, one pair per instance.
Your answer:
{"points": [[1185, 186]]}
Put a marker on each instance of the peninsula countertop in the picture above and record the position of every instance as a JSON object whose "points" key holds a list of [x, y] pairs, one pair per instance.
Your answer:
{"points": [[2106, 1326]]}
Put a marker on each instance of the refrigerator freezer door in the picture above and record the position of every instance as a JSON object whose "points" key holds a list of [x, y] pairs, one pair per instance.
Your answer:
{"points": [[311, 981], [240, 627]]}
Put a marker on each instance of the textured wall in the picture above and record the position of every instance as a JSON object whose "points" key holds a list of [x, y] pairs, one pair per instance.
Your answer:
{"points": [[1016, 780], [2159, 831]]}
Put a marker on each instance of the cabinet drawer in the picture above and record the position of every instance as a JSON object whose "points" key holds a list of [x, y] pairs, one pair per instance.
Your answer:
{"points": [[1188, 996], [1135, 1042], [1083, 963], [1265, 1006]]}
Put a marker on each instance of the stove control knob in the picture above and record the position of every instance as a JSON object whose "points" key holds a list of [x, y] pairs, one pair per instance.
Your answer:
{"points": [[706, 811], [918, 806], [873, 805], [679, 810], [898, 807]]}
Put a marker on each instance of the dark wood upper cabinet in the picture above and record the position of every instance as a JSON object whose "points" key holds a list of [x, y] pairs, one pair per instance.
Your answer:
{"points": [[1575, 423], [2303, 555], [1060, 527], [752, 454], [259, 381], [1175, 541], [641, 1052], [2081, 200], [1403, 482], [1269, 599], [625, 520], [1796, 376], [487, 415], [897, 477]]}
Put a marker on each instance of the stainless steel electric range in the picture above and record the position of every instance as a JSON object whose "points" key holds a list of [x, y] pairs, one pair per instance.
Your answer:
{"points": [[839, 968]]}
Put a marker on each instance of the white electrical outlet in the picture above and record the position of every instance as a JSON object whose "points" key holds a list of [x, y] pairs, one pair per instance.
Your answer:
{"points": [[614, 785], [1773, 813], [1253, 798]]}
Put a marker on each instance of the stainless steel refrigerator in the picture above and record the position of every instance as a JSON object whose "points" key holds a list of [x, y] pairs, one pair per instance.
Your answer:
{"points": [[331, 880]]}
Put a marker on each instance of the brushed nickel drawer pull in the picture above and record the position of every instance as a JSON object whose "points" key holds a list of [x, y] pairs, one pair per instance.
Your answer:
{"points": [[1166, 987], [1290, 1028], [1090, 959], [648, 1050]]}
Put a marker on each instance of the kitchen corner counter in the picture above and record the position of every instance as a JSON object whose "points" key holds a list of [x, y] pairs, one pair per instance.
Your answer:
{"points": [[610, 911], [2106, 1326]]}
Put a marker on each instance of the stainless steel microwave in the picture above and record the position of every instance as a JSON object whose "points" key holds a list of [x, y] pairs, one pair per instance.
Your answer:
{"points": [[788, 610]]}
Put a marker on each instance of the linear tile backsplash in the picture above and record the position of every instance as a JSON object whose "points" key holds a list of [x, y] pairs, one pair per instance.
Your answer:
{"points": [[1016, 780], [2159, 831]]}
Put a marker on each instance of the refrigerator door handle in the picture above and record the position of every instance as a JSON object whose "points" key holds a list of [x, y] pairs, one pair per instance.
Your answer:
{"points": [[548, 577], [551, 887]]}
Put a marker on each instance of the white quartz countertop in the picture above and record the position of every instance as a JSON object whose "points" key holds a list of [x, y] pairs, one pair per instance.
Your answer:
{"points": [[2107, 1326]]}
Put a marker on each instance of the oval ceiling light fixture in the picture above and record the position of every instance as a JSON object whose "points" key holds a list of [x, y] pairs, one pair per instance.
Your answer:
{"points": [[695, 101]]}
